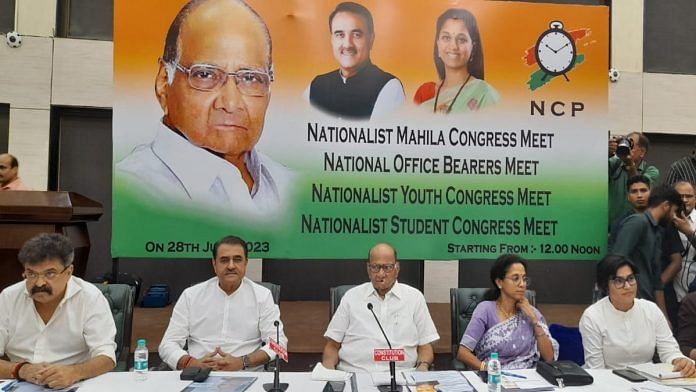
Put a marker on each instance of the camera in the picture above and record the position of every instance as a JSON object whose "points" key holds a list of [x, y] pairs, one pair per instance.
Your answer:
{"points": [[13, 39], [614, 75], [681, 209], [624, 146]]}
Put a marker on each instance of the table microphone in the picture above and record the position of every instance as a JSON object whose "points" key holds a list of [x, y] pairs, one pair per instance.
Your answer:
{"points": [[276, 386], [392, 365]]}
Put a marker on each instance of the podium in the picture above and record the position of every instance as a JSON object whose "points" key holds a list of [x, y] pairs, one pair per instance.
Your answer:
{"points": [[24, 214]]}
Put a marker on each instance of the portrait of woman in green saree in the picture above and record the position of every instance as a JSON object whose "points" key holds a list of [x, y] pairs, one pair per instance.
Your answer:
{"points": [[458, 56]]}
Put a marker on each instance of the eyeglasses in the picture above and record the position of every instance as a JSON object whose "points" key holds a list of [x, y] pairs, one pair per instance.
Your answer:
{"points": [[386, 267], [620, 281], [686, 196], [209, 78], [48, 275], [518, 280]]}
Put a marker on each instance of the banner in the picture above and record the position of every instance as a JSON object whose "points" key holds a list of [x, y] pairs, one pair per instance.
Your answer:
{"points": [[450, 129]]}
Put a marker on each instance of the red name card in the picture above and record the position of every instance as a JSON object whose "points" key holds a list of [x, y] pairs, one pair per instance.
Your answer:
{"points": [[278, 349], [389, 355]]}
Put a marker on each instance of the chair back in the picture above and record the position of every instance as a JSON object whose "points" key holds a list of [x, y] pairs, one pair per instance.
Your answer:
{"points": [[335, 295], [275, 290], [463, 301], [569, 343], [121, 298]]}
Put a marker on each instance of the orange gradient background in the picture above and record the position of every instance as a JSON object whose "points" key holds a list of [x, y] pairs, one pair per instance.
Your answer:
{"points": [[404, 30]]}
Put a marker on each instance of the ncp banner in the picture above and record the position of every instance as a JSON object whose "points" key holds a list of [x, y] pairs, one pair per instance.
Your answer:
{"points": [[314, 129]]}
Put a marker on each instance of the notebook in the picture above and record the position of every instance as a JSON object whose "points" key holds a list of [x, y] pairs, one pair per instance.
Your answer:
{"points": [[532, 382], [660, 371]]}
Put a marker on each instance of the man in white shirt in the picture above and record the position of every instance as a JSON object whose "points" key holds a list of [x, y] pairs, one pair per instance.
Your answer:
{"points": [[56, 329], [214, 86], [226, 320], [684, 267], [353, 333]]}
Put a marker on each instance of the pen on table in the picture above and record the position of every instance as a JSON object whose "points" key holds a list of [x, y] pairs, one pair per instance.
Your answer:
{"points": [[512, 375], [9, 386]]}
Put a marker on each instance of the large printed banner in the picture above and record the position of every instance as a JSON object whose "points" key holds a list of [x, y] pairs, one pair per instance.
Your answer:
{"points": [[451, 129]]}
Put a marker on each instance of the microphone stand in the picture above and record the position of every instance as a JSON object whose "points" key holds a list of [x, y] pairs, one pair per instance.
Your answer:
{"points": [[392, 365], [276, 386]]}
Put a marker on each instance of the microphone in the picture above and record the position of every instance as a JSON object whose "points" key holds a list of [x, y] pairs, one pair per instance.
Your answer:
{"points": [[392, 365], [369, 306], [276, 386]]}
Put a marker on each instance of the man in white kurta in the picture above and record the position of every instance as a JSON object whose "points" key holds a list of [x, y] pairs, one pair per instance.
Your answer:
{"points": [[227, 320], [353, 334], [56, 329]]}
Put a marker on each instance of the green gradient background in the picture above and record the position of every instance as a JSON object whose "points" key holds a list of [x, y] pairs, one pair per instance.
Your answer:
{"points": [[578, 203]]}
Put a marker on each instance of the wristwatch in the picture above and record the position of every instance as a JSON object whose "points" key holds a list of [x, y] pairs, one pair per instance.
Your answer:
{"points": [[245, 362]]}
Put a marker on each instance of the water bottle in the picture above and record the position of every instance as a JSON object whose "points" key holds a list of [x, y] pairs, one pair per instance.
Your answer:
{"points": [[140, 361], [494, 373]]}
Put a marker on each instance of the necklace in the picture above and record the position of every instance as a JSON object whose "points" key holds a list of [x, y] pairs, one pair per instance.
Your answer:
{"points": [[505, 313], [437, 96]]}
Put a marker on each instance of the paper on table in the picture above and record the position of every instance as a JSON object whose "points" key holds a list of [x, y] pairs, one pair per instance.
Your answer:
{"points": [[384, 378], [650, 386], [448, 381], [320, 373], [24, 386]]}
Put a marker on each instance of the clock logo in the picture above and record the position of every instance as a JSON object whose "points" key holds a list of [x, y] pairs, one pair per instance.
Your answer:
{"points": [[555, 51]]}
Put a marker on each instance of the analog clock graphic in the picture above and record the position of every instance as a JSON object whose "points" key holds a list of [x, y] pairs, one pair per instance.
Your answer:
{"points": [[555, 51]]}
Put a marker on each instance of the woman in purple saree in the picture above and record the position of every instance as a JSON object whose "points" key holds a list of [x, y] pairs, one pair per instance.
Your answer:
{"points": [[507, 323]]}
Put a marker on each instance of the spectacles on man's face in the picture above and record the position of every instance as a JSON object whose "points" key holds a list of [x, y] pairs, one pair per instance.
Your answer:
{"points": [[385, 267], [620, 281], [519, 280], [48, 275], [686, 196], [206, 77]]}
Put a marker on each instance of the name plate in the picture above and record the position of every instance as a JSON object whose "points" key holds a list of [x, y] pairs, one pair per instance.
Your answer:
{"points": [[278, 349], [389, 355]]}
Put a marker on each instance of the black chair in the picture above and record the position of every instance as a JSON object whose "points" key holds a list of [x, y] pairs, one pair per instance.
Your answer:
{"points": [[121, 298], [335, 295], [569, 343], [463, 301], [275, 290]]}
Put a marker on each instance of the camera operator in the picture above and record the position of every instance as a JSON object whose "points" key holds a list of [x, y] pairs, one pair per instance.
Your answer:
{"points": [[627, 159]]}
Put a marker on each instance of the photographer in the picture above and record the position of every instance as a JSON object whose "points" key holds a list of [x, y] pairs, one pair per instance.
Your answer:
{"points": [[627, 159]]}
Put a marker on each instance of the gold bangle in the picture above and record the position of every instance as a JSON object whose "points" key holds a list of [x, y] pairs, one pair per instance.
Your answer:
{"points": [[482, 367]]}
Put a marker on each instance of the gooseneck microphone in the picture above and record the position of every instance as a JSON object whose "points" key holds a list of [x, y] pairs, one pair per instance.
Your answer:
{"points": [[392, 365], [276, 386]]}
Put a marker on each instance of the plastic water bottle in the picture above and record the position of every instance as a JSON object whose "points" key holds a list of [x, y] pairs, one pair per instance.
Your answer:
{"points": [[140, 361], [494, 373]]}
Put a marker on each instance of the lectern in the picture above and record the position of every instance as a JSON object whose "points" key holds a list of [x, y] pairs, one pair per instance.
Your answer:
{"points": [[24, 214]]}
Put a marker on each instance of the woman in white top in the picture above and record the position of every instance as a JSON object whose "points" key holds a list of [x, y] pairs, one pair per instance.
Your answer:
{"points": [[621, 330]]}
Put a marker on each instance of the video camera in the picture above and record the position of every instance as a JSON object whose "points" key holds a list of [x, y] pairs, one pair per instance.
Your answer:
{"points": [[624, 145]]}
